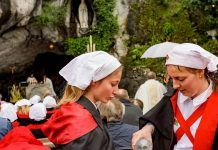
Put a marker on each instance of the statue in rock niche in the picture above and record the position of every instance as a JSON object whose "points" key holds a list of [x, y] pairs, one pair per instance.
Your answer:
{"points": [[83, 12]]}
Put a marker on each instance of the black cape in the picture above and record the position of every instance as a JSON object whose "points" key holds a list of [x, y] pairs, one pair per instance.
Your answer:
{"points": [[97, 139]]}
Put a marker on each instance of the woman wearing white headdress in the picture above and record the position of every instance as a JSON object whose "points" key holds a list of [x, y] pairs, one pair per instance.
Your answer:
{"points": [[8, 111], [35, 99], [50, 104], [91, 77], [188, 118], [37, 114]]}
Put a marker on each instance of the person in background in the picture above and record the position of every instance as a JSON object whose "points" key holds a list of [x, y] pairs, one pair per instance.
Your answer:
{"points": [[138, 103], [120, 132], [188, 118], [50, 104], [35, 99], [42, 88], [20, 138], [5, 127], [48, 81], [23, 107], [91, 77], [31, 80], [8, 111], [151, 92], [5, 124], [131, 113], [168, 83], [37, 114]]}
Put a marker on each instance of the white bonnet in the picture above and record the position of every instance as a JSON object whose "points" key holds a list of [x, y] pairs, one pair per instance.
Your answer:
{"points": [[35, 99], [22, 102], [89, 67], [37, 112], [192, 56], [8, 111], [49, 102]]}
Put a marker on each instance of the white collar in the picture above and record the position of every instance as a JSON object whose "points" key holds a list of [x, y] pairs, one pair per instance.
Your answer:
{"points": [[93, 104], [199, 99]]}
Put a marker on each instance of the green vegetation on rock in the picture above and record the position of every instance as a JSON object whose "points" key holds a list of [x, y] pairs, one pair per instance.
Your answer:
{"points": [[155, 21], [102, 34], [51, 15]]}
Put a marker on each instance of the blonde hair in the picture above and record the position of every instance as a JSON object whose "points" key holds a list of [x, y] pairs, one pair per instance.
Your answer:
{"points": [[71, 93], [23, 110], [113, 110]]}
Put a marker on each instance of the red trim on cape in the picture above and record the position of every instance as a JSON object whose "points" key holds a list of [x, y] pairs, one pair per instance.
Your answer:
{"points": [[207, 128], [35, 126], [22, 116], [15, 124], [50, 111], [185, 125], [68, 123], [20, 138]]}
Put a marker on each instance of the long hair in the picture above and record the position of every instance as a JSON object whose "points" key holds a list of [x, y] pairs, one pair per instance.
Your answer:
{"points": [[23, 110], [214, 77], [71, 93]]}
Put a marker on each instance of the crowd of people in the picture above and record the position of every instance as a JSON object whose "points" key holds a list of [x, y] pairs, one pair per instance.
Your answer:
{"points": [[95, 114]]}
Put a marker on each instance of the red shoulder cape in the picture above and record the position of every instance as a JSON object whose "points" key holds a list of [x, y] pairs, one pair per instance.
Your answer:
{"points": [[68, 123], [21, 138], [22, 116]]}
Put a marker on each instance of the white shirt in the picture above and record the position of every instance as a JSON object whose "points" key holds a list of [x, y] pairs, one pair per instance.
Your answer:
{"points": [[94, 104], [187, 107]]}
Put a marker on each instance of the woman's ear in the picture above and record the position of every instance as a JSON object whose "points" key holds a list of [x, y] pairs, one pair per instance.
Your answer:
{"points": [[201, 73]]}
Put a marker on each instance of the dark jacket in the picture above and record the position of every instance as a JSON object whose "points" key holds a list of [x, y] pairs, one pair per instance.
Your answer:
{"points": [[97, 139], [121, 134], [35, 128], [132, 113], [162, 117]]}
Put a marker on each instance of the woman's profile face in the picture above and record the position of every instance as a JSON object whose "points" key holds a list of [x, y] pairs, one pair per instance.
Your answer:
{"points": [[188, 83], [104, 90]]}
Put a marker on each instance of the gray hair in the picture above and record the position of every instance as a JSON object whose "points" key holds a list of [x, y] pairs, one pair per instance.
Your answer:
{"points": [[113, 110], [151, 75], [122, 94]]}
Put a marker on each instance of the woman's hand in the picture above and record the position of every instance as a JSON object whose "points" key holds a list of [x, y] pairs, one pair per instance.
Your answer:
{"points": [[145, 132]]}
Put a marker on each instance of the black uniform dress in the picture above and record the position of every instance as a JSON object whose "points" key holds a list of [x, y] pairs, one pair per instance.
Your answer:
{"points": [[96, 139], [162, 117]]}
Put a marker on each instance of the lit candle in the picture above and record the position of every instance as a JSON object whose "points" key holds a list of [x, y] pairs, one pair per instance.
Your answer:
{"points": [[90, 43], [87, 48], [93, 47]]}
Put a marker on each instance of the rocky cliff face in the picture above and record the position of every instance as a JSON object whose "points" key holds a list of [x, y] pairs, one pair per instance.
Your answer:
{"points": [[21, 41]]}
